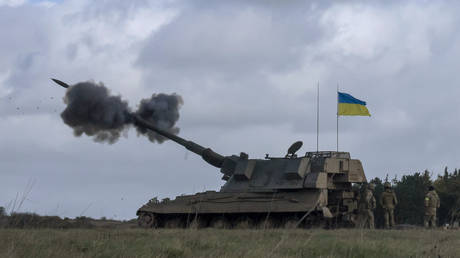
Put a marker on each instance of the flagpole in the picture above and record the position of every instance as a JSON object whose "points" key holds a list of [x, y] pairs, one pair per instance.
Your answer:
{"points": [[317, 118], [337, 117]]}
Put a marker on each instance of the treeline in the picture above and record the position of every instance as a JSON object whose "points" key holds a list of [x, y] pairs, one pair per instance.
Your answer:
{"points": [[410, 191], [32, 220], [29, 220]]}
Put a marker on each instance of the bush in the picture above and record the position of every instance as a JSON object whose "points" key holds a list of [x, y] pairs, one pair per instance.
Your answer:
{"points": [[82, 222], [32, 220]]}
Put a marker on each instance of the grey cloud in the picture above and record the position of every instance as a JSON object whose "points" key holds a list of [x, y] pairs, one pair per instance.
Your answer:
{"points": [[72, 51], [23, 40], [227, 40], [226, 51], [113, 10]]}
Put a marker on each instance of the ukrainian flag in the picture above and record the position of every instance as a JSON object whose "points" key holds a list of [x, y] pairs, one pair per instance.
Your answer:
{"points": [[350, 106]]}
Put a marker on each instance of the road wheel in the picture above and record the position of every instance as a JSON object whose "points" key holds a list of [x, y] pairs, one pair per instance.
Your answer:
{"points": [[197, 223], [290, 223], [146, 220], [244, 223], [220, 223], [174, 223], [267, 223]]}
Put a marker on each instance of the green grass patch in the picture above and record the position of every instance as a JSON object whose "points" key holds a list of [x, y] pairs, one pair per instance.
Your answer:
{"points": [[227, 243]]}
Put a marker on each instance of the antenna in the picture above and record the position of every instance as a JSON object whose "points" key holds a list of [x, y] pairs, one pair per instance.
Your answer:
{"points": [[337, 117], [317, 119]]}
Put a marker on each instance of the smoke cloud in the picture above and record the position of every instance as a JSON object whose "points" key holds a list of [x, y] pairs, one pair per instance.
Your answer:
{"points": [[91, 110], [163, 111]]}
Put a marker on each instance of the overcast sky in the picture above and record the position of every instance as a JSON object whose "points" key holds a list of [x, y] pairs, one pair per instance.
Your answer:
{"points": [[247, 73]]}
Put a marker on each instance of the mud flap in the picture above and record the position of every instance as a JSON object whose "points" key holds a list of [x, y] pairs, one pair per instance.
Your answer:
{"points": [[326, 212]]}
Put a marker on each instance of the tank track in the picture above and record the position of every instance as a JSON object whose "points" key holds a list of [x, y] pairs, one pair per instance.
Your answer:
{"points": [[241, 221]]}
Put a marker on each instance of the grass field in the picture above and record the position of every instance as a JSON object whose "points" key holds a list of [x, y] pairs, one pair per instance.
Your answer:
{"points": [[227, 243]]}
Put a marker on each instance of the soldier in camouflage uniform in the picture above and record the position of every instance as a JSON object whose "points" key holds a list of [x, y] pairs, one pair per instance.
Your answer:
{"points": [[457, 220], [431, 204], [388, 201], [456, 215], [367, 207]]}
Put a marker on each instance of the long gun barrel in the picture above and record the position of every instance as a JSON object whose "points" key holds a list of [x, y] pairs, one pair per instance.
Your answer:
{"points": [[207, 154]]}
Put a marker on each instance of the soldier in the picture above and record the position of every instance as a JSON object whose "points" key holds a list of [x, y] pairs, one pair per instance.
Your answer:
{"points": [[456, 215], [456, 219], [431, 204], [388, 201], [367, 207]]}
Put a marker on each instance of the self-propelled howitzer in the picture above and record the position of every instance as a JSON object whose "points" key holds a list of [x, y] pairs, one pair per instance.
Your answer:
{"points": [[314, 189]]}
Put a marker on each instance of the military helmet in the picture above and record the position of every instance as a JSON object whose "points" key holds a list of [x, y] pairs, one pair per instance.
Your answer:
{"points": [[371, 186], [387, 185]]}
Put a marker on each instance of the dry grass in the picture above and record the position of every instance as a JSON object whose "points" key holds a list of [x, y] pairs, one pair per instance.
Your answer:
{"points": [[227, 243]]}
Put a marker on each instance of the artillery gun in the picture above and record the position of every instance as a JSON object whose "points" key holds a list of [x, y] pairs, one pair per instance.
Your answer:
{"points": [[289, 191], [275, 191]]}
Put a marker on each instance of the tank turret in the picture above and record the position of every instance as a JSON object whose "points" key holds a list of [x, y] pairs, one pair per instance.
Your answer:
{"points": [[313, 170]]}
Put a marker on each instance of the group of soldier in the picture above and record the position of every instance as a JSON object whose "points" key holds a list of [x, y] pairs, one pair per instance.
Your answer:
{"points": [[388, 201]]}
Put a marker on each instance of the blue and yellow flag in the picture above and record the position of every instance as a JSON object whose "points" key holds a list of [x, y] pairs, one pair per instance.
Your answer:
{"points": [[350, 106]]}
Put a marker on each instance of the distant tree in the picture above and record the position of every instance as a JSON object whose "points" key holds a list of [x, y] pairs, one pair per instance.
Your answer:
{"points": [[2, 212], [446, 173], [448, 188], [378, 212], [395, 181], [410, 191]]}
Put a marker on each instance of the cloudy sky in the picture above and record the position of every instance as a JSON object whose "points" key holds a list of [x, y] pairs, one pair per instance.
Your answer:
{"points": [[247, 73]]}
